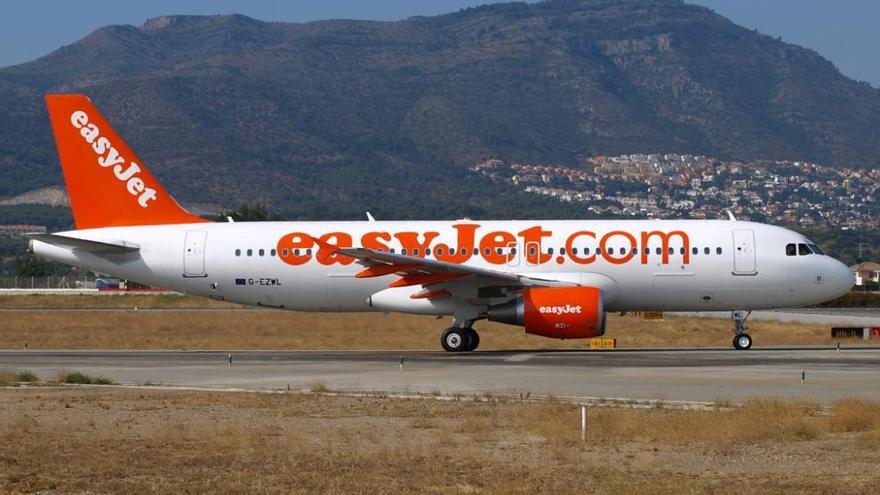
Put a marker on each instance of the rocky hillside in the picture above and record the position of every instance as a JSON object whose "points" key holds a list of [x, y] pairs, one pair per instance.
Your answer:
{"points": [[330, 118]]}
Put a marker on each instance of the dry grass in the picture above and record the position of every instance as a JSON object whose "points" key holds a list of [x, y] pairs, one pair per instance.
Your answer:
{"points": [[272, 329], [854, 414], [8, 378], [122, 300], [134, 441]]}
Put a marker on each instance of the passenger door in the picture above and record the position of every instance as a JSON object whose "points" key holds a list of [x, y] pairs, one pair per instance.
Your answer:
{"points": [[744, 256], [194, 254]]}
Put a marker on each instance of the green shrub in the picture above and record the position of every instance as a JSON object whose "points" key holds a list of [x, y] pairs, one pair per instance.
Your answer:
{"points": [[78, 378], [25, 376]]}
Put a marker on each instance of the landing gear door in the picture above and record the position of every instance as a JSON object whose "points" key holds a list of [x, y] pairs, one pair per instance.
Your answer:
{"points": [[194, 254], [744, 252]]}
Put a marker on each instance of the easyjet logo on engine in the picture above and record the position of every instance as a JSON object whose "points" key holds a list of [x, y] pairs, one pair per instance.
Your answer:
{"points": [[568, 309], [497, 247], [109, 157]]}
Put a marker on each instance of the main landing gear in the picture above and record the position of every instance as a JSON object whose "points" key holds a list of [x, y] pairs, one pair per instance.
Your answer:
{"points": [[456, 339], [741, 340]]}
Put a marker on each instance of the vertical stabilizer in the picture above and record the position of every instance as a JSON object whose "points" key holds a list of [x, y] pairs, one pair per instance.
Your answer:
{"points": [[107, 183]]}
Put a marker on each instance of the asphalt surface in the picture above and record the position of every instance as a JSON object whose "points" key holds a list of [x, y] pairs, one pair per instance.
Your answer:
{"points": [[660, 374]]}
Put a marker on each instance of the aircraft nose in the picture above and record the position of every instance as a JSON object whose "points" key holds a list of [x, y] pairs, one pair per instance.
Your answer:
{"points": [[842, 279]]}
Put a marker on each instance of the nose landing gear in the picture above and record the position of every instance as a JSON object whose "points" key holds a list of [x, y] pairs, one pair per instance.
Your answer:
{"points": [[741, 340]]}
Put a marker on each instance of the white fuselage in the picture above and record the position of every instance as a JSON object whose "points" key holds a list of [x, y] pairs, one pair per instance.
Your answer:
{"points": [[727, 265]]}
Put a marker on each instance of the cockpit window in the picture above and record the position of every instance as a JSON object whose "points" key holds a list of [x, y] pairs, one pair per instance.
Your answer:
{"points": [[790, 249], [816, 249], [803, 249]]}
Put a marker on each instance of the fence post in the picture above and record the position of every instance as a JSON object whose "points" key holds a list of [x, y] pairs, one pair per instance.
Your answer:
{"points": [[583, 423]]}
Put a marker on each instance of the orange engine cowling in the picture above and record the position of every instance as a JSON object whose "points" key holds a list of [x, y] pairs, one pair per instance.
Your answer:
{"points": [[556, 312]]}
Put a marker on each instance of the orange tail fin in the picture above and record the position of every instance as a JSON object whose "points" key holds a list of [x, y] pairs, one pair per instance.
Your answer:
{"points": [[108, 185]]}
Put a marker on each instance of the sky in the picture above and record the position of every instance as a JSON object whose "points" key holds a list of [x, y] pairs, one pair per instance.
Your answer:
{"points": [[844, 31]]}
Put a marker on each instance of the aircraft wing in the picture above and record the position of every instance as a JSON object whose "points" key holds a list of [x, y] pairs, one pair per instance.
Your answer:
{"points": [[85, 245], [414, 270]]}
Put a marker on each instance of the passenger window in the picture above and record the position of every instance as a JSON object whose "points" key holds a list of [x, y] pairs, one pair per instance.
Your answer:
{"points": [[611, 250], [309, 251], [402, 250], [635, 250], [513, 251], [549, 250], [574, 250], [705, 250], [262, 252], [695, 251], [562, 251], [427, 251], [273, 253], [587, 251], [285, 252], [295, 252], [499, 251], [439, 251], [250, 252], [671, 250], [803, 250], [415, 251], [598, 251], [391, 250], [790, 249], [647, 250], [487, 251], [464, 251], [238, 252], [681, 251], [659, 250], [718, 250]]}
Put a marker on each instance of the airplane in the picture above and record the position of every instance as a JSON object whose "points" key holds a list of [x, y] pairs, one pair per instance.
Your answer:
{"points": [[556, 278]]}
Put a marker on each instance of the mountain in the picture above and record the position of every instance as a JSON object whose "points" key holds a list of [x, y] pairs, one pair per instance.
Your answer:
{"points": [[329, 118]]}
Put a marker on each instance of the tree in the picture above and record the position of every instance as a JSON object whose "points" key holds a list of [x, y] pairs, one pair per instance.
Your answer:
{"points": [[30, 266], [249, 213]]}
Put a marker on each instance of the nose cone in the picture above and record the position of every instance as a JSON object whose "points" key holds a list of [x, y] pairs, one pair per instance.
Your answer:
{"points": [[841, 278]]}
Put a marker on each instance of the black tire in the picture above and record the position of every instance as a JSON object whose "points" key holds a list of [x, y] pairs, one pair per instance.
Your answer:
{"points": [[742, 342], [455, 340], [474, 339]]}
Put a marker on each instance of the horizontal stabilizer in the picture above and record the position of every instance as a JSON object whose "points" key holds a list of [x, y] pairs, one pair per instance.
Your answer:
{"points": [[85, 245]]}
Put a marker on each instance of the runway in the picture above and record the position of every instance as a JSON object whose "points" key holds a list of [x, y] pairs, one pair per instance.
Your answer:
{"points": [[660, 374]]}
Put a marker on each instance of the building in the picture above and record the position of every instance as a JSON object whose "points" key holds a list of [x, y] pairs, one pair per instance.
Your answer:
{"points": [[866, 272], [11, 230]]}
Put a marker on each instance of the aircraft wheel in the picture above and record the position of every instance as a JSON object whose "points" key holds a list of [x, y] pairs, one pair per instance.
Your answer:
{"points": [[742, 342], [455, 339], [474, 338]]}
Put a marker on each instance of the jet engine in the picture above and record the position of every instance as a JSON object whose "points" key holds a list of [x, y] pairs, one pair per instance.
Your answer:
{"points": [[555, 312]]}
